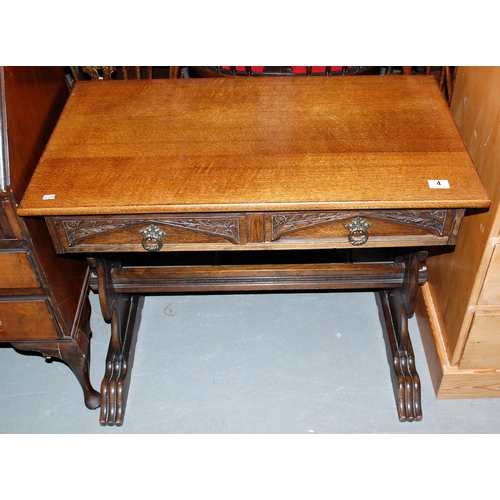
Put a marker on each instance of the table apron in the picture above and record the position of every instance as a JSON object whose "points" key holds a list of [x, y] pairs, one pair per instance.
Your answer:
{"points": [[255, 230]]}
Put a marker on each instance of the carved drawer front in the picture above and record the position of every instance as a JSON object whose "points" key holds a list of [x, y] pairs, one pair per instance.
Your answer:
{"points": [[16, 271], [25, 320], [153, 233], [364, 228]]}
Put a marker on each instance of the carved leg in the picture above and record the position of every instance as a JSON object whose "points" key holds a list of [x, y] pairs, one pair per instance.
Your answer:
{"points": [[396, 307], [121, 311], [75, 352]]}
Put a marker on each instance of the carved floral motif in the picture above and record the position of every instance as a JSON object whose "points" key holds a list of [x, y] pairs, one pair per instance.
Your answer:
{"points": [[286, 223], [432, 220], [227, 228], [78, 230]]}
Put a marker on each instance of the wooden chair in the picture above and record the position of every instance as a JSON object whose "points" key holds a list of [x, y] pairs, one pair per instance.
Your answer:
{"points": [[222, 71], [79, 73], [445, 75]]}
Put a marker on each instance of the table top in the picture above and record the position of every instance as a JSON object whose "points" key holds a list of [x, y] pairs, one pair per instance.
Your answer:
{"points": [[254, 144]]}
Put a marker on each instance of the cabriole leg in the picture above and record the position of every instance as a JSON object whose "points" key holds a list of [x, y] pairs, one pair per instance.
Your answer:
{"points": [[75, 352]]}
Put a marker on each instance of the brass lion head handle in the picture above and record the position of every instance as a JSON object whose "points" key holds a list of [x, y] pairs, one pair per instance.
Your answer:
{"points": [[358, 231], [152, 241]]}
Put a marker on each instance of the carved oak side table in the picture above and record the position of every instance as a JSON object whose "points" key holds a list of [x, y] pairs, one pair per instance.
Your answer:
{"points": [[209, 185]]}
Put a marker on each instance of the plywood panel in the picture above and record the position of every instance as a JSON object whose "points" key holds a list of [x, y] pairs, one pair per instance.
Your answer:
{"points": [[482, 350], [490, 293]]}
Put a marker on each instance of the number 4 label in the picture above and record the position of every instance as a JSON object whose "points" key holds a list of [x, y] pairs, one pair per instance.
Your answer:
{"points": [[439, 184]]}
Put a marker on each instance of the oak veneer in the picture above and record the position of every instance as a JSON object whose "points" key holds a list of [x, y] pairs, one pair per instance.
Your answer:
{"points": [[209, 145], [259, 174]]}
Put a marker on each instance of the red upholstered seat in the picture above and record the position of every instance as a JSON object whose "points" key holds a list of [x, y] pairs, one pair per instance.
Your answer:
{"points": [[298, 70], [223, 71]]}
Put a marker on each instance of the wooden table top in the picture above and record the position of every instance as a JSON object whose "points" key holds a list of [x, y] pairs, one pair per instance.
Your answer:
{"points": [[253, 144]]}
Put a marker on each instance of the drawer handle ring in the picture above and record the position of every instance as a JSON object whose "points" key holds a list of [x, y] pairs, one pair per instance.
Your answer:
{"points": [[152, 238], [358, 231]]}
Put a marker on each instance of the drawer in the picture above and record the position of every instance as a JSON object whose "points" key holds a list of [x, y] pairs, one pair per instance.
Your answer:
{"points": [[370, 228], [335, 229], [26, 320], [16, 271], [153, 233], [482, 350]]}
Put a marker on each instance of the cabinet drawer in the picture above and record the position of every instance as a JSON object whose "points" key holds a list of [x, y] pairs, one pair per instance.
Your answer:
{"points": [[482, 350], [369, 228], [16, 271], [128, 233], [26, 320]]}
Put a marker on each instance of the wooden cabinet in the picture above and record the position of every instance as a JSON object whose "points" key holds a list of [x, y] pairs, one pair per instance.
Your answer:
{"points": [[43, 297], [459, 310]]}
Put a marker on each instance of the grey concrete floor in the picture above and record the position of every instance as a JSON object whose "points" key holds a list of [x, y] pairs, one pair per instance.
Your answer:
{"points": [[284, 363]]}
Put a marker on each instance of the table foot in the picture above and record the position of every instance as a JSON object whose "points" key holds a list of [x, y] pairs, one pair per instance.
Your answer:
{"points": [[120, 310], [396, 307], [119, 361], [404, 376]]}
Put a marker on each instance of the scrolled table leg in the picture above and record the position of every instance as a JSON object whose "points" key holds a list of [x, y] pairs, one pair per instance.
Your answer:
{"points": [[121, 311], [396, 306], [119, 360]]}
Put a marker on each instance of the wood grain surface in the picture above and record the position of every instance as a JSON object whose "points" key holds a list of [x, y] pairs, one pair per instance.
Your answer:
{"points": [[220, 145]]}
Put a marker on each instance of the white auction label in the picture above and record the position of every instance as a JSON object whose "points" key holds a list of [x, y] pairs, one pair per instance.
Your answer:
{"points": [[49, 196], [439, 184]]}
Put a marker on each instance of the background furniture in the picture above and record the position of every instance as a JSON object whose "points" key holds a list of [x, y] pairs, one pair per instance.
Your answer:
{"points": [[79, 73], [445, 75], [43, 297], [222, 71], [459, 311]]}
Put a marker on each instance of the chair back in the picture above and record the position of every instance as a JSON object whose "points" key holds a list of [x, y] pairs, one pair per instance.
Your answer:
{"points": [[222, 71], [123, 72]]}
